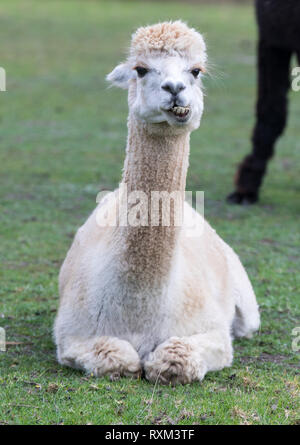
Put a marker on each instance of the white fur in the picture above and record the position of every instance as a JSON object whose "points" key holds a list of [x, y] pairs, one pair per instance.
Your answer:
{"points": [[151, 101], [166, 302]]}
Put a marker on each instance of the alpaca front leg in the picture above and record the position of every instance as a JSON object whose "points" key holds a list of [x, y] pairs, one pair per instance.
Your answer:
{"points": [[187, 359], [102, 356]]}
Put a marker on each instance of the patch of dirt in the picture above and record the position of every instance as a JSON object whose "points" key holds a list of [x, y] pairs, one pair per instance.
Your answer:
{"points": [[271, 358]]}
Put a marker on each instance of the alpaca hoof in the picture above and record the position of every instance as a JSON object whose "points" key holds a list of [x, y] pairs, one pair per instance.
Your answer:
{"points": [[117, 358], [242, 198], [104, 356], [173, 363]]}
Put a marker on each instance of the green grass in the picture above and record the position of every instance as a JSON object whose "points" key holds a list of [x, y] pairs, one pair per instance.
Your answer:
{"points": [[62, 140]]}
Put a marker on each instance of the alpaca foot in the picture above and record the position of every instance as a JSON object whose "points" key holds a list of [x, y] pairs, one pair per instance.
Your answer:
{"points": [[175, 362], [104, 356], [242, 198]]}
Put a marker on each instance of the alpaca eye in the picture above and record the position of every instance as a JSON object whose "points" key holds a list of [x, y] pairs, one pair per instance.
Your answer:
{"points": [[141, 71], [196, 72]]}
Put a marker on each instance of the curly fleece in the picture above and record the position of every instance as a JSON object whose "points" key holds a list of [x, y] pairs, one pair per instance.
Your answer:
{"points": [[170, 38]]}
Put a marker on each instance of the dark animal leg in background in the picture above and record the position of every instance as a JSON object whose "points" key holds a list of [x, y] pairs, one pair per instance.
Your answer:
{"points": [[271, 114]]}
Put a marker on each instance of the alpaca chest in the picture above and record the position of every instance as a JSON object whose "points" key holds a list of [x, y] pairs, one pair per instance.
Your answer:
{"points": [[131, 311]]}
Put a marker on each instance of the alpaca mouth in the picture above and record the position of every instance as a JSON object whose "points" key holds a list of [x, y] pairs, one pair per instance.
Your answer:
{"points": [[179, 112]]}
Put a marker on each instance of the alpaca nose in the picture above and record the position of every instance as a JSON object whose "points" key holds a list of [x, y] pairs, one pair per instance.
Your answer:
{"points": [[173, 87]]}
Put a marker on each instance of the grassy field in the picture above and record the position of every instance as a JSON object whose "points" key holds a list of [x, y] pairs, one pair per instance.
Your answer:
{"points": [[62, 140]]}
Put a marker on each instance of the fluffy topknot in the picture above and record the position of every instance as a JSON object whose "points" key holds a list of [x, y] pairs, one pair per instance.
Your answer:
{"points": [[170, 38]]}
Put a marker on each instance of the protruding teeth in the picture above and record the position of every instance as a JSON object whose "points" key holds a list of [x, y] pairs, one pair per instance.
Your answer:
{"points": [[179, 111]]}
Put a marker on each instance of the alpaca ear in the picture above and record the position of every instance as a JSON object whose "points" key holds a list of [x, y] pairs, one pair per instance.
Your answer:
{"points": [[120, 76]]}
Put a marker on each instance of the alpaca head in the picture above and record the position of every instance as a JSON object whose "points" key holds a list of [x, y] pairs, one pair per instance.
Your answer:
{"points": [[163, 75]]}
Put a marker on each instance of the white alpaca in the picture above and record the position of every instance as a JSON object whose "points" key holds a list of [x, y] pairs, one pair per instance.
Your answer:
{"points": [[151, 297]]}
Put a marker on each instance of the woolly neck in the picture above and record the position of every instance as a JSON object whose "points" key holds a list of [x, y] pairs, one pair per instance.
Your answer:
{"points": [[156, 160]]}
